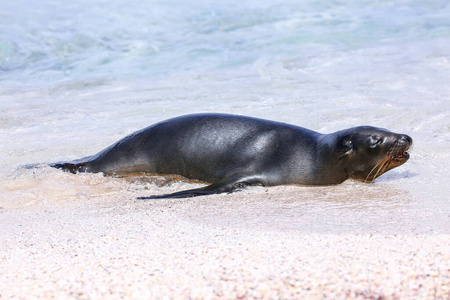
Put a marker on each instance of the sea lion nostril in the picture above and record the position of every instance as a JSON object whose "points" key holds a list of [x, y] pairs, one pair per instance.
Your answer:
{"points": [[405, 139], [409, 139]]}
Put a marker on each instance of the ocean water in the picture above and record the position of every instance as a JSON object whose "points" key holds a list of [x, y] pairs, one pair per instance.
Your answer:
{"points": [[75, 76]]}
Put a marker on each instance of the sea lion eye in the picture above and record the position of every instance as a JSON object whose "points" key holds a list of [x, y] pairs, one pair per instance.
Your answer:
{"points": [[375, 141]]}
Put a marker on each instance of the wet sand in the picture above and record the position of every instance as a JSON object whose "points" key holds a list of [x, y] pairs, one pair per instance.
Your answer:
{"points": [[93, 246]]}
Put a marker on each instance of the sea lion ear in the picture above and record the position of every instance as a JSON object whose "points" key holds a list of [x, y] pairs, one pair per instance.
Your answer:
{"points": [[346, 146]]}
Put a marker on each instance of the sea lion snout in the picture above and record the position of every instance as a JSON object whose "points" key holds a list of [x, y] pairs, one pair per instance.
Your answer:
{"points": [[402, 144]]}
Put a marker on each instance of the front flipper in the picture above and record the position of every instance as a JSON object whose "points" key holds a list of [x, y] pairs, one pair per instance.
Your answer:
{"points": [[230, 185]]}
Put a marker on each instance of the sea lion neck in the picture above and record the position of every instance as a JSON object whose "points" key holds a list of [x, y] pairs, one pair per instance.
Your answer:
{"points": [[333, 167]]}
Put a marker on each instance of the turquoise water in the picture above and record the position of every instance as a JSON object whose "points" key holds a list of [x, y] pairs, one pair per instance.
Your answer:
{"points": [[76, 76], [125, 40]]}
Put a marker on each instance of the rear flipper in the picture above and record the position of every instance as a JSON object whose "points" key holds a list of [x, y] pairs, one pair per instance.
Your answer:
{"points": [[228, 186], [70, 167], [31, 166]]}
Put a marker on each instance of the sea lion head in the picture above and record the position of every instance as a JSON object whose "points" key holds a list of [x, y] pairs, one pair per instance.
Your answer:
{"points": [[367, 152]]}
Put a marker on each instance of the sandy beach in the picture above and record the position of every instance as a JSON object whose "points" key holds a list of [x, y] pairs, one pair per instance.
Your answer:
{"points": [[78, 76], [86, 245]]}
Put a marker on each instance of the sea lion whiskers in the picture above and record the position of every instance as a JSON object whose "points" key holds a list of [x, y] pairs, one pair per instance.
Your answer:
{"points": [[381, 165], [381, 169]]}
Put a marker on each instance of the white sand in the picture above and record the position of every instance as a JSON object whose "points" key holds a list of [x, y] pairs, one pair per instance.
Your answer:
{"points": [[96, 247]]}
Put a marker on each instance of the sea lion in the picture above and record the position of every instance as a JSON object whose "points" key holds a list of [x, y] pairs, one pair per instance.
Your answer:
{"points": [[231, 152]]}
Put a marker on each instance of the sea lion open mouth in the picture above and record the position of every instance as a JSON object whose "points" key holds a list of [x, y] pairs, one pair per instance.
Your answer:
{"points": [[401, 156]]}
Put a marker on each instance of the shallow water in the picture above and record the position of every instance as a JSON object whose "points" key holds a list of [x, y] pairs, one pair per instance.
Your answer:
{"points": [[76, 77]]}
